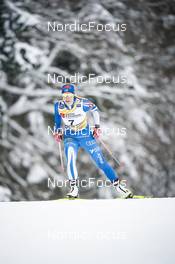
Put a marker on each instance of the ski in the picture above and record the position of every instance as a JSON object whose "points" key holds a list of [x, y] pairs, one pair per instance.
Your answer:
{"points": [[142, 197], [134, 197]]}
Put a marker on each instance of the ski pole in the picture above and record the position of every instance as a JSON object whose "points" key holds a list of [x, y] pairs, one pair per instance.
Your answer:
{"points": [[110, 152], [61, 156]]}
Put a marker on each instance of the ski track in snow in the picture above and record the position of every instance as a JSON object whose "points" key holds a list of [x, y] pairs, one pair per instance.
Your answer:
{"points": [[82, 231]]}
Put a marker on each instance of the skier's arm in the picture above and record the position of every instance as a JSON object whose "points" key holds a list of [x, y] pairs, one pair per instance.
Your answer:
{"points": [[89, 106], [57, 118], [96, 117], [97, 130]]}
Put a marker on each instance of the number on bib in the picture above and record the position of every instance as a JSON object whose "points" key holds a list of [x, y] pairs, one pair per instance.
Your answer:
{"points": [[71, 122]]}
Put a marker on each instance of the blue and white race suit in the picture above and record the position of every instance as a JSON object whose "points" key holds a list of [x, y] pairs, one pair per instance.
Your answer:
{"points": [[77, 133]]}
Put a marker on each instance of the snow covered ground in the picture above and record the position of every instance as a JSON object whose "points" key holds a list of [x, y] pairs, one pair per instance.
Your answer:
{"points": [[87, 231]]}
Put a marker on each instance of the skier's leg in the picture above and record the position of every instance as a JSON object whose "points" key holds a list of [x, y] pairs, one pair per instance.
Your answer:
{"points": [[90, 145], [71, 150], [96, 154]]}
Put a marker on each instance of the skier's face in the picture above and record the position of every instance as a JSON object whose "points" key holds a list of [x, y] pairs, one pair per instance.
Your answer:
{"points": [[68, 98]]}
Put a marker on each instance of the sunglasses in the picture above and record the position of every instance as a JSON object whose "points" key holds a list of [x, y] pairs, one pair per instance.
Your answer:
{"points": [[68, 95]]}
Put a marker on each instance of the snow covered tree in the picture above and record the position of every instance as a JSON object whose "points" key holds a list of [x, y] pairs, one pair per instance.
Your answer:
{"points": [[144, 105]]}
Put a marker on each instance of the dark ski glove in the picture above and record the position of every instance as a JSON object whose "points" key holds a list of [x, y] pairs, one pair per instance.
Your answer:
{"points": [[58, 137], [97, 132]]}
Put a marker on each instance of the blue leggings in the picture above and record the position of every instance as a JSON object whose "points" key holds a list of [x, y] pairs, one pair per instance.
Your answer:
{"points": [[89, 144]]}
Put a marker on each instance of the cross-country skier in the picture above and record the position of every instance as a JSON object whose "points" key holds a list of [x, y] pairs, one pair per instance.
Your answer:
{"points": [[72, 110]]}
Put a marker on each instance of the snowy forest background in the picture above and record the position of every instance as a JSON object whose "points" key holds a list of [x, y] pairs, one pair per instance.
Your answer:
{"points": [[145, 106]]}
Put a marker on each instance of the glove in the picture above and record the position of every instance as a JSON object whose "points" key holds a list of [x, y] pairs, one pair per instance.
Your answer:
{"points": [[58, 137], [97, 132]]}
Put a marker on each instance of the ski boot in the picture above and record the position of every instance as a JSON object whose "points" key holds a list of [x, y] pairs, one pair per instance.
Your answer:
{"points": [[74, 192], [123, 191]]}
